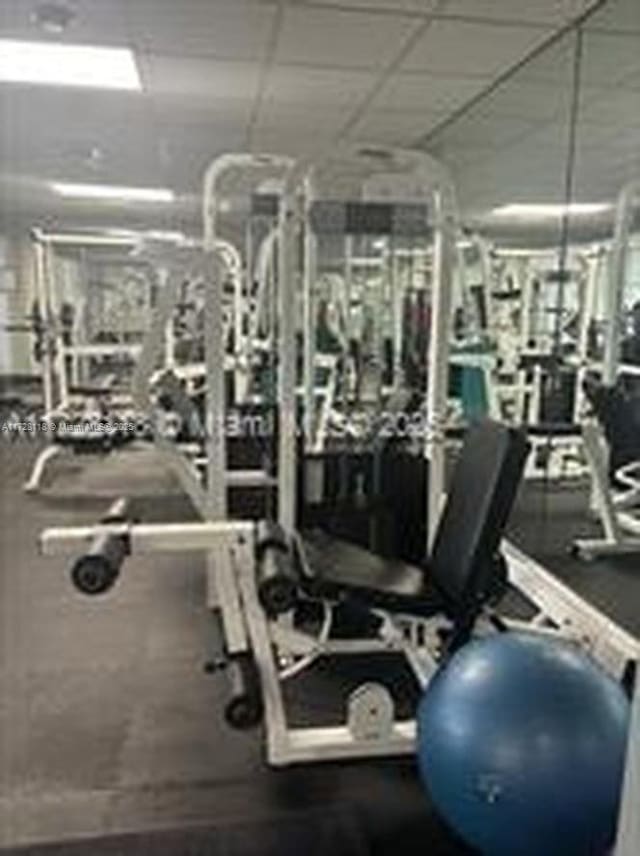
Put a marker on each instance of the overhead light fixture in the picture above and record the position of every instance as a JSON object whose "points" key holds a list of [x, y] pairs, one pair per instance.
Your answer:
{"points": [[523, 252], [86, 240], [114, 237], [165, 235], [113, 192], [533, 210], [46, 63]]}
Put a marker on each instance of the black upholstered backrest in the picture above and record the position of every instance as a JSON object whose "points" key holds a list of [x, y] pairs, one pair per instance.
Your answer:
{"points": [[485, 481]]}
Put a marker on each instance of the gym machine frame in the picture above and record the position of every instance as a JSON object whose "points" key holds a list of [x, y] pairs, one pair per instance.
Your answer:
{"points": [[621, 526], [56, 354], [274, 647]]}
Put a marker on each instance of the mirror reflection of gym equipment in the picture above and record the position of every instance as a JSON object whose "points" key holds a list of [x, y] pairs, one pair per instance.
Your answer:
{"points": [[320, 345]]}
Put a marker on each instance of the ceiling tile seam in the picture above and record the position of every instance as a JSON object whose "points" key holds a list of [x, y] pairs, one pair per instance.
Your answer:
{"points": [[437, 75], [195, 55], [387, 72], [440, 14], [497, 23], [503, 77], [382, 12], [265, 71], [436, 12]]}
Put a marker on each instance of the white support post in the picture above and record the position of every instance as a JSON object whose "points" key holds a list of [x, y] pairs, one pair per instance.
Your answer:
{"points": [[308, 321], [616, 281], [46, 362], [59, 362], [594, 264], [287, 360], [216, 391], [628, 842], [438, 364], [397, 303]]}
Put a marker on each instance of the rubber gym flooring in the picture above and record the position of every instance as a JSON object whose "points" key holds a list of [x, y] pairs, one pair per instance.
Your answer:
{"points": [[111, 739]]}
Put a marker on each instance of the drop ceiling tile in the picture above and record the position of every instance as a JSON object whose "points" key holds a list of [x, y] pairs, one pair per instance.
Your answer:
{"points": [[629, 81], [460, 48], [608, 58], [27, 115], [414, 7], [187, 156], [536, 101], [104, 137], [204, 79], [623, 16], [201, 111], [304, 143], [227, 29], [295, 119], [133, 160], [463, 157], [394, 127], [288, 84], [428, 92], [617, 110], [554, 65], [487, 131], [341, 39], [521, 11]]}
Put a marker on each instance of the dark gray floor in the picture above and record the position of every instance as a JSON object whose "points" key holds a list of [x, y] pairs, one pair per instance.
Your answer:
{"points": [[108, 724], [547, 519]]}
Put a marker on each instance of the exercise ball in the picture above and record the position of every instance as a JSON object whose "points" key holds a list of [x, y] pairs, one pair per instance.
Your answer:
{"points": [[521, 742]]}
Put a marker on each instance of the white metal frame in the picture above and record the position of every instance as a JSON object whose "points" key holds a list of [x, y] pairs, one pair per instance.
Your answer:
{"points": [[282, 652], [628, 839], [618, 514], [56, 354], [431, 182]]}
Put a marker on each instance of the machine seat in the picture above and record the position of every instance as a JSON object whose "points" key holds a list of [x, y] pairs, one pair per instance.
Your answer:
{"points": [[339, 571], [464, 570]]}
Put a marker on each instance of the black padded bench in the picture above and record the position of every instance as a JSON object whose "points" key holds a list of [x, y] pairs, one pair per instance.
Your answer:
{"points": [[464, 570]]}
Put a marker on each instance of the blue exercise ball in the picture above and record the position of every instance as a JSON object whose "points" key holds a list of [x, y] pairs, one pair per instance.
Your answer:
{"points": [[521, 742]]}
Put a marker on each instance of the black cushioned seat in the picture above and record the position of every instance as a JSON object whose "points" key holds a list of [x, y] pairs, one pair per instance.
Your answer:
{"points": [[464, 567], [338, 570]]}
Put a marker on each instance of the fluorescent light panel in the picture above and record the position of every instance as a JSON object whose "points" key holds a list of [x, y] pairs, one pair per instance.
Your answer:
{"points": [[525, 209], [114, 237], [88, 240], [46, 63], [113, 192]]}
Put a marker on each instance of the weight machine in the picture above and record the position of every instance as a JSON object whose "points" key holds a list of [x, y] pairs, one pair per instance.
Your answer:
{"points": [[73, 402], [280, 592], [615, 508]]}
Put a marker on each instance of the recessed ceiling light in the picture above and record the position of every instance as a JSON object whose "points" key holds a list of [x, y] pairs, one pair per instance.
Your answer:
{"points": [[44, 63], [113, 192], [522, 209], [52, 17]]}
